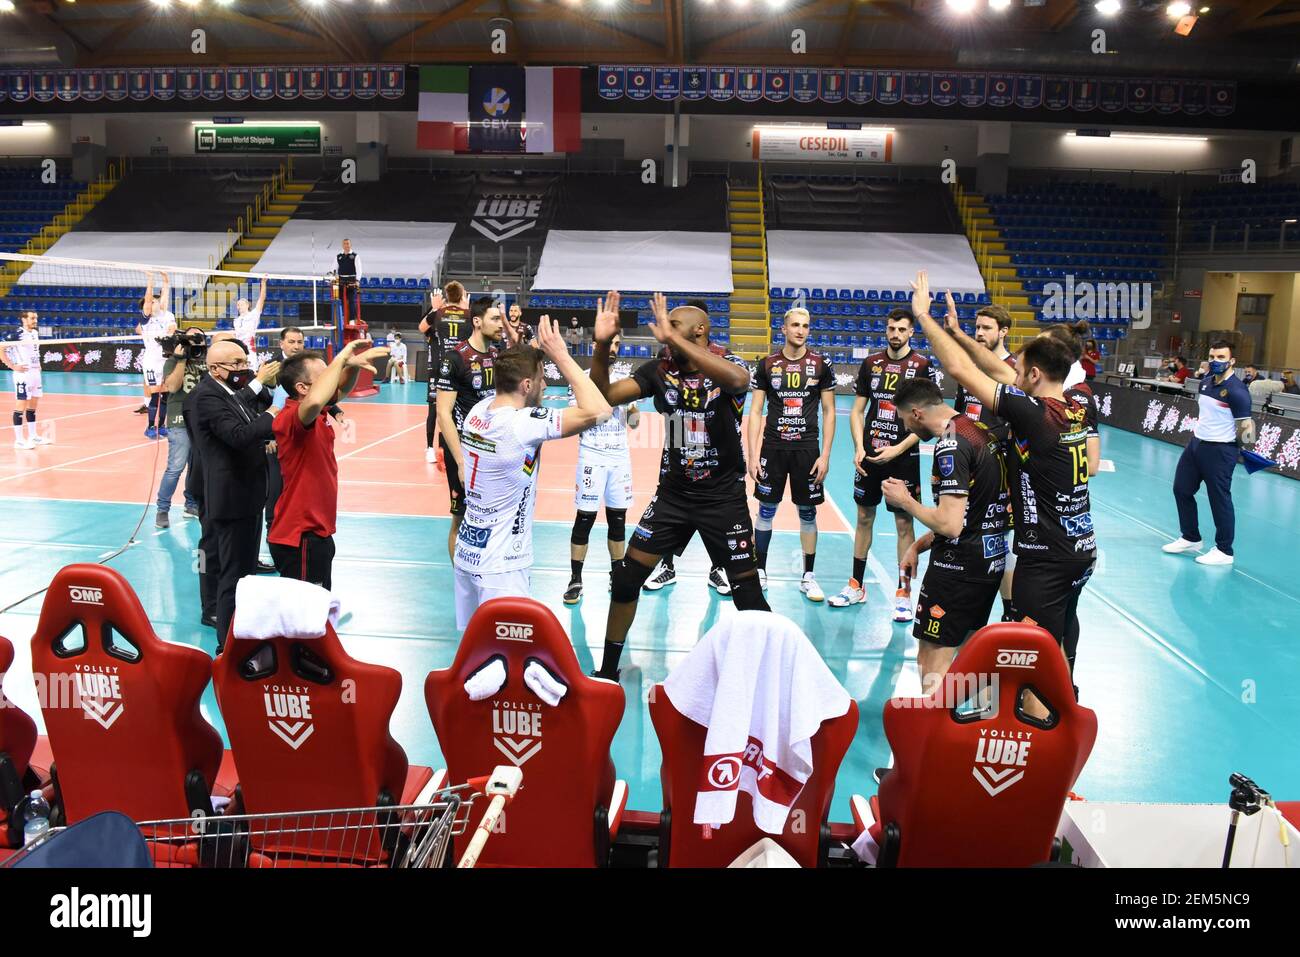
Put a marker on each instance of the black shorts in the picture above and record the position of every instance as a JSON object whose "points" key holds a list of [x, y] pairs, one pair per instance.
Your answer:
{"points": [[951, 607], [724, 525], [866, 488], [775, 463], [454, 484], [1046, 593]]}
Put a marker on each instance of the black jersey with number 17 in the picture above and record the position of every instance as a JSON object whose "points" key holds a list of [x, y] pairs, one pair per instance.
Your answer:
{"points": [[702, 450], [1047, 456]]}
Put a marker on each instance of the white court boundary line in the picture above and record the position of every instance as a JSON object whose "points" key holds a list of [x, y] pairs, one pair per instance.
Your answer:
{"points": [[63, 465]]}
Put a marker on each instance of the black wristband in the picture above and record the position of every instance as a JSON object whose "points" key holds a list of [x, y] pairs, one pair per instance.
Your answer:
{"points": [[333, 410]]}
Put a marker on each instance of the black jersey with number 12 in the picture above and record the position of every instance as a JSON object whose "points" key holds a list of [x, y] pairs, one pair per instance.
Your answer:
{"points": [[879, 377]]}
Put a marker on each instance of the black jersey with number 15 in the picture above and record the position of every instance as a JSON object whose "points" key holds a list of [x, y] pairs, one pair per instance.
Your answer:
{"points": [[1047, 456]]}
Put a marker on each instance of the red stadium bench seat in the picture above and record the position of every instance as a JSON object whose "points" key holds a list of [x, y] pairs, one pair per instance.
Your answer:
{"points": [[571, 803], [985, 789], [309, 730], [682, 843], [121, 705], [17, 744]]}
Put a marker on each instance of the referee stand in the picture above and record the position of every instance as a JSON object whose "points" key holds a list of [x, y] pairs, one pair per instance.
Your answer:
{"points": [[349, 328]]}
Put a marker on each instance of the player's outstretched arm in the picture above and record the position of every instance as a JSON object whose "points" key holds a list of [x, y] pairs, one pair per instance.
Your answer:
{"points": [[261, 297], [754, 430], [624, 390], [951, 356], [590, 406]]}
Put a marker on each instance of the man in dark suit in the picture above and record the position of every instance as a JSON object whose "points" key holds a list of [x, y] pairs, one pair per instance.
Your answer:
{"points": [[229, 428]]}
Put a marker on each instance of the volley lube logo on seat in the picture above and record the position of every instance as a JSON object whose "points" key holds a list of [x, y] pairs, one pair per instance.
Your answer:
{"points": [[99, 692], [288, 713], [1001, 758], [517, 730]]}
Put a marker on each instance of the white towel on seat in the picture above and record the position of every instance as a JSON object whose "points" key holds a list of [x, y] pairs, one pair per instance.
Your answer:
{"points": [[762, 690], [267, 607], [487, 681], [543, 683]]}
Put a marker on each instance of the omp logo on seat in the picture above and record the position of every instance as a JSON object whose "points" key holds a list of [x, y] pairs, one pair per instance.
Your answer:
{"points": [[288, 712], [514, 631], [1011, 658], [100, 696], [1000, 759], [516, 730], [86, 596]]}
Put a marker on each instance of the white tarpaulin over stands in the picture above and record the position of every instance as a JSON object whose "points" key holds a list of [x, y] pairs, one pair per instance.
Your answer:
{"points": [[178, 250], [849, 260], [396, 250], [663, 261]]}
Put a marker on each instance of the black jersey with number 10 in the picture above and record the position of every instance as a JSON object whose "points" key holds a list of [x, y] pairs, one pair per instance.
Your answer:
{"points": [[794, 389]]}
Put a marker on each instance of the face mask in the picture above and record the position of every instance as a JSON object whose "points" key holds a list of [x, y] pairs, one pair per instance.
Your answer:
{"points": [[239, 378], [1218, 367]]}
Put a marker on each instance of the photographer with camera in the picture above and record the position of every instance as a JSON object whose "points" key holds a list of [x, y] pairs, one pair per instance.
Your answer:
{"points": [[185, 367]]}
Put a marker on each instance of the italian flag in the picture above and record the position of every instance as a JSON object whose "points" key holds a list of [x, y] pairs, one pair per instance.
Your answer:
{"points": [[553, 116], [444, 106]]}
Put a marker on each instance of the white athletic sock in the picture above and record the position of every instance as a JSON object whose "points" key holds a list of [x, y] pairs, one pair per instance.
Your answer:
{"points": [[31, 428], [18, 433]]}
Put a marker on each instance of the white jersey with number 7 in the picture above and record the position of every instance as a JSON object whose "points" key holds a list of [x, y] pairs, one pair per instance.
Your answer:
{"points": [[502, 449]]}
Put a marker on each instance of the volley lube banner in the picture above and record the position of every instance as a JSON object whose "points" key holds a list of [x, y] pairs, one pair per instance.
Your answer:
{"points": [[496, 109]]}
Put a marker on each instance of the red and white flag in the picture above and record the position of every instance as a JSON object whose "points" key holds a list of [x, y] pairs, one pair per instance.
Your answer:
{"points": [[553, 115]]}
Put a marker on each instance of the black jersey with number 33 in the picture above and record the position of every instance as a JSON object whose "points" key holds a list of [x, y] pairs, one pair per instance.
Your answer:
{"points": [[702, 451], [1047, 455]]}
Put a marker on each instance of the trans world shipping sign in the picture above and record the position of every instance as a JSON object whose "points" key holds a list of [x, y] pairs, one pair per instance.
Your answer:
{"points": [[244, 138], [812, 144]]}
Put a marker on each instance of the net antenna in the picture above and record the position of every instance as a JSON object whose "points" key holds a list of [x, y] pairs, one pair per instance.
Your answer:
{"points": [[92, 304]]}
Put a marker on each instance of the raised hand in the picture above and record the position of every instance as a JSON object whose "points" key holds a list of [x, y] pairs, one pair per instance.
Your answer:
{"points": [[436, 301], [661, 328], [268, 372], [549, 339], [367, 359], [950, 317], [921, 294], [607, 317]]}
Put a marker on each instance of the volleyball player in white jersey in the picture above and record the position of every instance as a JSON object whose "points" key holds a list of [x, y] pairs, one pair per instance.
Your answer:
{"points": [[246, 323], [159, 322], [604, 477], [24, 358], [501, 440]]}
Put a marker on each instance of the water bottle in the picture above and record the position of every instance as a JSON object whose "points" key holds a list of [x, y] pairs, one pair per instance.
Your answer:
{"points": [[35, 815]]}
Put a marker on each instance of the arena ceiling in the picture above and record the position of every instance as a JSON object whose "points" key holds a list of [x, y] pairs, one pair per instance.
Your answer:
{"points": [[1253, 38]]}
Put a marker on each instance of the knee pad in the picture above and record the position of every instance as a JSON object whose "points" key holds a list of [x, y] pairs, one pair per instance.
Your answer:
{"points": [[582, 527], [31, 415], [807, 518], [766, 512], [747, 594], [626, 581], [18, 418], [616, 518]]}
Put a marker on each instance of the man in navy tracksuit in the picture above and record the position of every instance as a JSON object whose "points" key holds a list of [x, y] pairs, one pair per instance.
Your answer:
{"points": [[1223, 428]]}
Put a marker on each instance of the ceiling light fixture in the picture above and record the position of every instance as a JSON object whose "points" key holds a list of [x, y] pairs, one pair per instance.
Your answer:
{"points": [[961, 6], [1108, 8], [1178, 9], [999, 4]]}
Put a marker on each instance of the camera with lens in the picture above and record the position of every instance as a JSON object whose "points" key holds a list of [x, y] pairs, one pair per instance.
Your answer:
{"points": [[192, 346]]}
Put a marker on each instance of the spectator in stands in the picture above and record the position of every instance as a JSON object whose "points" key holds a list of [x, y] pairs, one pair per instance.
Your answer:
{"points": [[1250, 375], [1179, 372], [184, 369], [1289, 385], [302, 538], [229, 428], [1091, 359], [397, 357], [573, 335]]}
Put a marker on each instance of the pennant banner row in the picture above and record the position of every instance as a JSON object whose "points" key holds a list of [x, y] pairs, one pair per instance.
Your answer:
{"points": [[917, 88], [204, 83]]}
